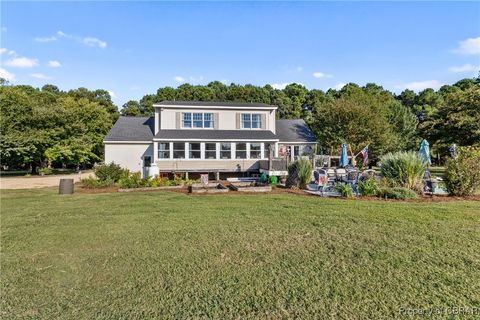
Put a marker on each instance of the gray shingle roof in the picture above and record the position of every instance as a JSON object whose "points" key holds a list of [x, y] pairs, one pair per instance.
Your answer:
{"points": [[295, 130], [132, 129], [216, 134], [216, 103], [141, 129]]}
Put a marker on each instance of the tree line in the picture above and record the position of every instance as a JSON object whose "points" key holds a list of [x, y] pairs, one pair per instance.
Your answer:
{"points": [[357, 115], [46, 126]]}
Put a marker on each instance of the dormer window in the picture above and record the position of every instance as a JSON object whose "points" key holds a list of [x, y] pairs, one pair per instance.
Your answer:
{"points": [[197, 120], [251, 121]]}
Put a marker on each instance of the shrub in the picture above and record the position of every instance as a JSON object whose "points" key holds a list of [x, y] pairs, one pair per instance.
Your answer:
{"points": [[301, 169], [398, 193], [403, 169], [45, 171], [345, 190], [93, 183], [133, 180], [462, 174], [368, 187], [160, 181], [110, 171]]}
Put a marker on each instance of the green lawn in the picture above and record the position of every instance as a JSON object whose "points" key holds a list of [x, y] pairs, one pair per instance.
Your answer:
{"points": [[171, 255]]}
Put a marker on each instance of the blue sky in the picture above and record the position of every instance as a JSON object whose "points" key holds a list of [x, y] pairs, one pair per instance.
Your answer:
{"points": [[132, 48]]}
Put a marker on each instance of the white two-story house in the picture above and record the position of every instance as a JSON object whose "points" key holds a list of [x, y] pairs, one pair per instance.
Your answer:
{"points": [[207, 137]]}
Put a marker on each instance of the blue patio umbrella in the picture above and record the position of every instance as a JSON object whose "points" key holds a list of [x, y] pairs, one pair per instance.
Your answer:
{"points": [[424, 152], [343, 156]]}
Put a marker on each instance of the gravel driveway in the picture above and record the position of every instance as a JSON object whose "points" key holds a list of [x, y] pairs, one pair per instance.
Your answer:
{"points": [[38, 181]]}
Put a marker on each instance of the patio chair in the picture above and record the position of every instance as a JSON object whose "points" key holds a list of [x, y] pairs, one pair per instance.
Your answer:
{"points": [[340, 174], [367, 174], [331, 176], [352, 177], [321, 179], [430, 183]]}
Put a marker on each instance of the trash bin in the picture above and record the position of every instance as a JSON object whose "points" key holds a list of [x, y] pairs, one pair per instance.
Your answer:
{"points": [[65, 186]]}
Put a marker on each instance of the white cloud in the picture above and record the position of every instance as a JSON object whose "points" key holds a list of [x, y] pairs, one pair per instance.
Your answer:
{"points": [[46, 39], [40, 76], [5, 50], [54, 64], [299, 69], [420, 85], [280, 86], [339, 86], [319, 75], [465, 68], [179, 79], [469, 46], [4, 29], [22, 62], [94, 42], [112, 94], [6, 75], [63, 34], [88, 41]]}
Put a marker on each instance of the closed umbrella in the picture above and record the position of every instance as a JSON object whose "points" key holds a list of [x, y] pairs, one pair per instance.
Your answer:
{"points": [[343, 156], [424, 152]]}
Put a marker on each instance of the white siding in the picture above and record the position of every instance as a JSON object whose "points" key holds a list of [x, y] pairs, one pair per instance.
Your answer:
{"points": [[234, 165], [128, 155], [226, 118]]}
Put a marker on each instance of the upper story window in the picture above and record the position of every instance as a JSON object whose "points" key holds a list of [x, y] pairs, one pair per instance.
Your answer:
{"points": [[197, 120], [186, 120], [251, 121]]}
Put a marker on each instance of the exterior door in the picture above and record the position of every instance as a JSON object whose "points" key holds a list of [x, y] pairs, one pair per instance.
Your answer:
{"points": [[147, 163]]}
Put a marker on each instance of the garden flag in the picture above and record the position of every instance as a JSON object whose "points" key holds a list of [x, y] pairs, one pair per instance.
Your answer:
{"points": [[364, 153]]}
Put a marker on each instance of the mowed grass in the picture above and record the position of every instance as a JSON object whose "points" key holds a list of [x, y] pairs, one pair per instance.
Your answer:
{"points": [[171, 255]]}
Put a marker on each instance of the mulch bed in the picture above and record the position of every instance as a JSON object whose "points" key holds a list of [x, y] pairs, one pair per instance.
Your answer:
{"points": [[280, 190]]}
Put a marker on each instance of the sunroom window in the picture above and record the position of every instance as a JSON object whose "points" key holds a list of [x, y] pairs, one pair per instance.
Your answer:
{"points": [[194, 150], [179, 150], [241, 151], [164, 150], [210, 150], [255, 151], [225, 150]]}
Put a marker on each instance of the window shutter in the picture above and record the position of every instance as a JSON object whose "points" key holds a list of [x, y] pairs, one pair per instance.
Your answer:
{"points": [[237, 121], [264, 122], [177, 120], [215, 120]]}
